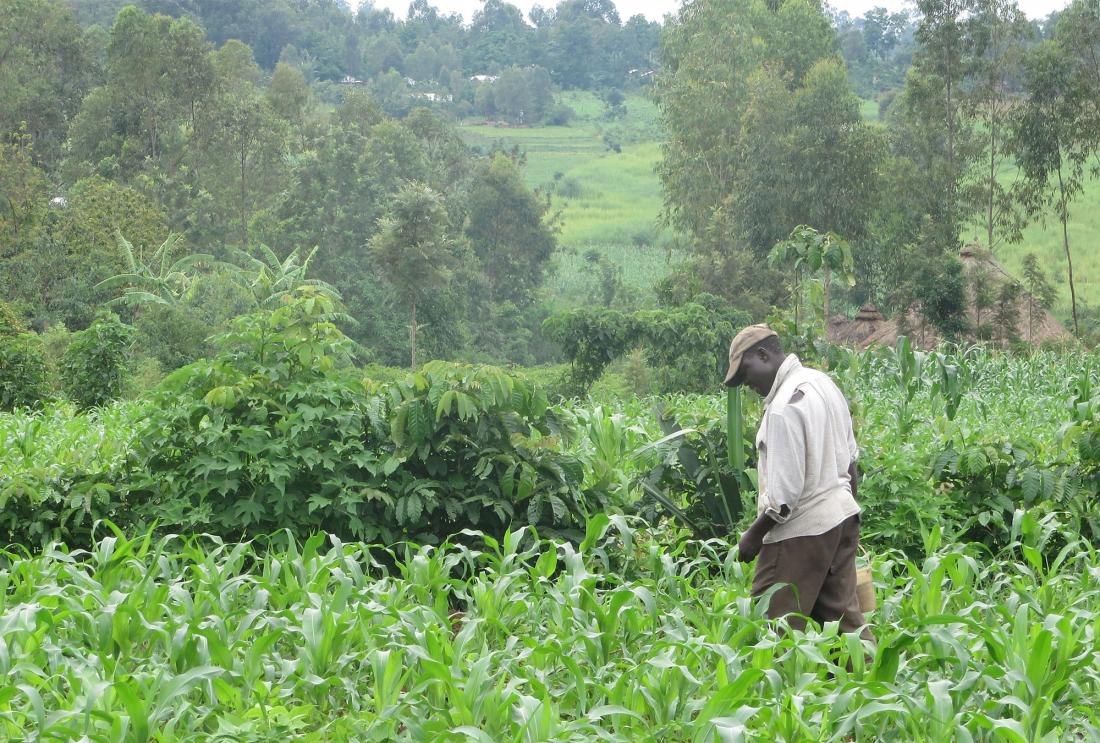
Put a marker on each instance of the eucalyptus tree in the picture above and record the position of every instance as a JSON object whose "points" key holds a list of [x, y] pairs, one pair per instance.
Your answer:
{"points": [[1050, 143], [996, 33], [413, 251]]}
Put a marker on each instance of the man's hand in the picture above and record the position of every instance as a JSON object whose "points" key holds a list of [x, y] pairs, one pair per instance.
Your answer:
{"points": [[749, 546], [752, 541]]}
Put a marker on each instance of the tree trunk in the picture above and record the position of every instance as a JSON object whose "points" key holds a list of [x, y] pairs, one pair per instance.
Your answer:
{"points": [[992, 170], [1064, 215], [952, 185], [825, 299], [244, 224], [412, 337]]}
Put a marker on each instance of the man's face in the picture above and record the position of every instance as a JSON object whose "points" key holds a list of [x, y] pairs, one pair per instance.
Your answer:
{"points": [[757, 371]]}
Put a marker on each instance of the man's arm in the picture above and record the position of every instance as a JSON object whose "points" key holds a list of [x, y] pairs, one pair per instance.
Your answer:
{"points": [[786, 477], [753, 539]]}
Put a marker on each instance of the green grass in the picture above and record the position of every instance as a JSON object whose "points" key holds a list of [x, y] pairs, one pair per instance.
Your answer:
{"points": [[1043, 237], [868, 109], [608, 201], [576, 278]]}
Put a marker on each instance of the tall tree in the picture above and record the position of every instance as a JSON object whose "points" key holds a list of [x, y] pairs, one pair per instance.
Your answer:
{"points": [[140, 67], [718, 60], [240, 141], [413, 251], [934, 100], [46, 67], [996, 32], [1078, 31], [508, 233], [764, 134], [1050, 144]]}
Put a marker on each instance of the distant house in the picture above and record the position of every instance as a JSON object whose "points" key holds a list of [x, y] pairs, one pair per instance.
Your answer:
{"points": [[483, 78], [433, 97], [349, 80]]}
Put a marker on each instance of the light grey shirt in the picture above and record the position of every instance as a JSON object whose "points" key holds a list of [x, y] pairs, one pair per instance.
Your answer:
{"points": [[805, 446]]}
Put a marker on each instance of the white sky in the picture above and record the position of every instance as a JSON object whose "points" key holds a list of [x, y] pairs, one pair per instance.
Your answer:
{"points": [[656, 9]]}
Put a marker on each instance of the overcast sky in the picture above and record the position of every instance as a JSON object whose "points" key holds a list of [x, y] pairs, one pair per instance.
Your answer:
{"points": [[656, 9]]}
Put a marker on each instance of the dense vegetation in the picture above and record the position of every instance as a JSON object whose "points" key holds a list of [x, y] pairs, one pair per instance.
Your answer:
{"points": [[982, 535], [281, 454], [623, 638]]}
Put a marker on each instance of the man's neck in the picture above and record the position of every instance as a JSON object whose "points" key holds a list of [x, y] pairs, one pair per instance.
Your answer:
{"points": [[780, 376]]}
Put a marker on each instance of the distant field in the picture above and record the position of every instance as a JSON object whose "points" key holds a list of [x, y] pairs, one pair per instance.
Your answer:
{"points": [[1045, 240], [609, 201]]}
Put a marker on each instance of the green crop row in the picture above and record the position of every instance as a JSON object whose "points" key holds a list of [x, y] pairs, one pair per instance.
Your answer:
{"points": [[627, 637]]}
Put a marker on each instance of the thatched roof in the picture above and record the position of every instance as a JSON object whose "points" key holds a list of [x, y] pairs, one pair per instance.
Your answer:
{"points": [[869, 313], [870, 328], [867, 323]]}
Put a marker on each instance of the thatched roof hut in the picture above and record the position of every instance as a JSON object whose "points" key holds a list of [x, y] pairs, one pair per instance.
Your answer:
{"points": [[869, 328], [867, 322]]}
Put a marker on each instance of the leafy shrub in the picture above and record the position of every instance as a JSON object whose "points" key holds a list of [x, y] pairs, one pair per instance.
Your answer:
{"points": [[559, 115], [24, 373], [173, 334], [94, 367], [278, 432], [687, 345], [61, 472]]}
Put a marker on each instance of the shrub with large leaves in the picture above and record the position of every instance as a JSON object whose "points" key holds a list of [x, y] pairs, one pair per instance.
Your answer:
{"points": [[279, 431], [24, 373], [94, 367]]}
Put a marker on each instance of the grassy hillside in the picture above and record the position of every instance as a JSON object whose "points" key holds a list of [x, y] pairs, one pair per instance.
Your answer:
{"points": [[1044, 238], [608, 201]]}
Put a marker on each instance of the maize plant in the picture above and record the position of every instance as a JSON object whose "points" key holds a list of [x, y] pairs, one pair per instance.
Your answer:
{"points": [[621, 638]]}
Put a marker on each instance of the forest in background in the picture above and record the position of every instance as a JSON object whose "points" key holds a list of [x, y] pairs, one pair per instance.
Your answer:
{"points": [[185, 163]]}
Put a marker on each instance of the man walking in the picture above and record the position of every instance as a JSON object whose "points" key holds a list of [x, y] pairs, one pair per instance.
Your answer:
{"points": [[807, 528]]}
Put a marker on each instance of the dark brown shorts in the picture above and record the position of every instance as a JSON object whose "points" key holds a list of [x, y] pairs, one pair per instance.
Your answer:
{"points": [[819, 577]]}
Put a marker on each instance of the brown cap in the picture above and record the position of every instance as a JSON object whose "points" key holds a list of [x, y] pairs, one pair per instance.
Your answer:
{"points": [[742, 342]]}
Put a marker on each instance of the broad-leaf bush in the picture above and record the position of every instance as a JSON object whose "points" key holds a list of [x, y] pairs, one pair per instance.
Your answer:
{"points": [[278, 431], [61, 472], [95, 365], [24, 372]]}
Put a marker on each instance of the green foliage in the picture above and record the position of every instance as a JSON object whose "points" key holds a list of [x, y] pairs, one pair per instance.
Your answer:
{"points": [[49, 63], [24, 375], [591, 339], [275, 432], [96, 363], [686, 345], [942, 295], [160, 279], [10, 321], [62, 472], [413, 250], [527, 638], [808, 252], [761, 139], [1040, 292], [508, 231], [1052, 139]]}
